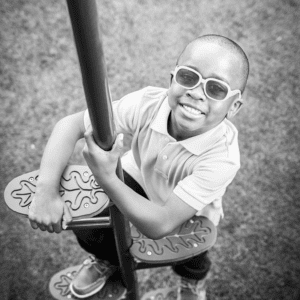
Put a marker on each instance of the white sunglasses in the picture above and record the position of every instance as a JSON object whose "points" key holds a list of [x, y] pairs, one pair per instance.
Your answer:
{"points": [[214, 89]]}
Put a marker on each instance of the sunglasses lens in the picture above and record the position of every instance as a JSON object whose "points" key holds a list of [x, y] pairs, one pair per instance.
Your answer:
{"points": [[216, 90], [187, 78]]}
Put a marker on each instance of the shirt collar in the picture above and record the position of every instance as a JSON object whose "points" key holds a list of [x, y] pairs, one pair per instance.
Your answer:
{"points": [[197, 144], [160, 121]]}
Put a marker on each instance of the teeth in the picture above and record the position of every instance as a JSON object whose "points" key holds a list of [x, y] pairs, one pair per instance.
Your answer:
{"points": [[192, 110]]}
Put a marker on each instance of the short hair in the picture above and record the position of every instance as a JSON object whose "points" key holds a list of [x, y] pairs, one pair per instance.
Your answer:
{"points": [[231, 46]]}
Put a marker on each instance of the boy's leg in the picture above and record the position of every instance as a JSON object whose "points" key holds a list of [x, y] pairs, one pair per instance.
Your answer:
{"points": [[101, 243], [195, 268], [193, 274], [98, 242], [95, 271]]}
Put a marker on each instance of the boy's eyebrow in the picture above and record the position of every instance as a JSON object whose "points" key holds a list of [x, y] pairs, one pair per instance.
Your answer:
{"points": [[213, 75]]}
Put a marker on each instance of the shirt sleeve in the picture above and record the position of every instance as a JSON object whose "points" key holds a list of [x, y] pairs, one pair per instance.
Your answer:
{"points": [[207, 183]]}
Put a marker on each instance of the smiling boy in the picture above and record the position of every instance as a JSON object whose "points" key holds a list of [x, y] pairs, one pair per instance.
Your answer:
{"points": [[183, 153]]}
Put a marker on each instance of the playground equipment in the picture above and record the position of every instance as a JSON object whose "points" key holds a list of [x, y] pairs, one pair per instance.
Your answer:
{"points": [[84, 196]]}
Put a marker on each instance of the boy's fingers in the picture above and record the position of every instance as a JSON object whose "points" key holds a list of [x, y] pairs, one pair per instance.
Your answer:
{"points": [[89, 139], [42, 227], [67, 217], [50, 229], [33, 225], [57, 227], [87, 135], [118, 145], [120, 138]]}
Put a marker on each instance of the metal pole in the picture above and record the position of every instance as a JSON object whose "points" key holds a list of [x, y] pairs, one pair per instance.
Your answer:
{"points": [[96, 222], [84, 19]]}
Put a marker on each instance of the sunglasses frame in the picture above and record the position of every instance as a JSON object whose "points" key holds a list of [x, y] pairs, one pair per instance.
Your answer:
{"points": [[204, 81]]}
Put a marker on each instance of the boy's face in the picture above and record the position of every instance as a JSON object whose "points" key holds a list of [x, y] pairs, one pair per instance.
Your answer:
{"points": [[192, 112]]}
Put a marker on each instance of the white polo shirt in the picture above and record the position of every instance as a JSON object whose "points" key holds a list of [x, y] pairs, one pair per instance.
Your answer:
{"points": [[197, 169]]}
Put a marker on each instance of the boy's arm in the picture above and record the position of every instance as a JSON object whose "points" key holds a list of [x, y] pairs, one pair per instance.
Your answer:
{"points": [[151, 219], [47, 208]]}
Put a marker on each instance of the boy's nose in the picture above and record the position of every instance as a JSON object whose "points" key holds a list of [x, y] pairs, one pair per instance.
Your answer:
{"points": [[197, 93]]}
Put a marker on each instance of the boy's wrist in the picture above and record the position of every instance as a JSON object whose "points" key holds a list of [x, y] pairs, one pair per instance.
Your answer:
{"points": [[47, 185], [108, 182]]}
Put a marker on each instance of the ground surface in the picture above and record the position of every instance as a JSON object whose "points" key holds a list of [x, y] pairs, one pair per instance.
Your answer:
{"points": [[257, 252]]}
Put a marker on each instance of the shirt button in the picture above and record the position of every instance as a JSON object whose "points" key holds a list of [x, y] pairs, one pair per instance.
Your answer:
{"points": [[165, 157]]}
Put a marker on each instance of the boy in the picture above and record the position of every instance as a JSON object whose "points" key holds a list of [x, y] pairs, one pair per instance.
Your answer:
{"points": [[184, 153]]}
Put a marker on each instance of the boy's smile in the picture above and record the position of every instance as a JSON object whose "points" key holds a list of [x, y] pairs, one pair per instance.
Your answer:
{"points": [[193, 113], [189, 111]]}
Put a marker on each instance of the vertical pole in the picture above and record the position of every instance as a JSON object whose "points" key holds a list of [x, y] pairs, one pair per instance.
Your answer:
{"points": [[84, 19]]}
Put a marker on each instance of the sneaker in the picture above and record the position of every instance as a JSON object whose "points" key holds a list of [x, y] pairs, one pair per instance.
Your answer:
{"points": [[91, 277], [190, 289]]}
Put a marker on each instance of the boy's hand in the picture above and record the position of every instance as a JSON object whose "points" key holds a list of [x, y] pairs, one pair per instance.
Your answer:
{"points": [[47, 212], [102, 163]]}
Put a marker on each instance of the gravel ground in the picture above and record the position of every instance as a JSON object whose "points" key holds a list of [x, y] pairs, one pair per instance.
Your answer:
{"points": [[257, 252]]}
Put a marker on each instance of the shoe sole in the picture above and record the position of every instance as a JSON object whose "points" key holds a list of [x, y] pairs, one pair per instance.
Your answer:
{"points": [[78, 189]]}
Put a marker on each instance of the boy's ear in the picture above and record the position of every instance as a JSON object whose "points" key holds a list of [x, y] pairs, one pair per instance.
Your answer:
{"points": [[234, 109]]}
